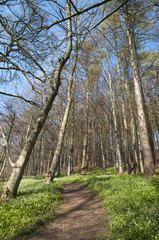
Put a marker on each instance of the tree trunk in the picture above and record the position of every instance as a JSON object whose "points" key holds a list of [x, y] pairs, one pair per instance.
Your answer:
{"points": [[84, 155], [141, 167], [51, 174], [103, 157], [114, 119], [87, 131], [18, 171], [56, 157], [149, 169], [121, 85], [71, 150], [71, 147]]}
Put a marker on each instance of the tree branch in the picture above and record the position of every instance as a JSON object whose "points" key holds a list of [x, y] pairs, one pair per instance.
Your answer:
{"points": [[77, 14], [74, 6], [115, 10], [20, 97]]}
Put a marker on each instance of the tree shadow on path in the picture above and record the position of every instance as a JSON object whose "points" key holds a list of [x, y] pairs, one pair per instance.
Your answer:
{"points": [[81, 218]]}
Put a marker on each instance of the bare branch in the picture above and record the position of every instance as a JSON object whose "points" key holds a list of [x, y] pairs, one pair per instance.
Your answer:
{"points": [[74, 6], [20, 97], [107, 16], [78, 13]]}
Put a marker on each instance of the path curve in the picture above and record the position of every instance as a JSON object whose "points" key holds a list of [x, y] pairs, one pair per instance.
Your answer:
{"points": [[82, 217]]}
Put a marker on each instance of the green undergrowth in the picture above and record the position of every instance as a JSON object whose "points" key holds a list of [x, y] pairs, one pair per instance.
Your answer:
{"points": [[132, 202], [34, 206]]}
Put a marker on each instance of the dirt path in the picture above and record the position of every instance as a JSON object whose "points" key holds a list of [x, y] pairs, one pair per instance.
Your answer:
{"points": [[82, 217]]}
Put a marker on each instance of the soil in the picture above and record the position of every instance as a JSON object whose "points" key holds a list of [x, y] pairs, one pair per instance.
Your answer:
{"points": [[81, 218]]}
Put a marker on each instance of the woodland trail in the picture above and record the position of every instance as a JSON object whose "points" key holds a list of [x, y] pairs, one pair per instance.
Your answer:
{"points": [[81, 218]]}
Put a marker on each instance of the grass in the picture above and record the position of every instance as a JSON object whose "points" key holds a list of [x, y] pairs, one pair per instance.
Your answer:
{"points": [[34, 205], [132, 202]]}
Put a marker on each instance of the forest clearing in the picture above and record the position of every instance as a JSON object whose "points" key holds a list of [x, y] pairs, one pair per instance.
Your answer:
{"points": [[79, 119]]}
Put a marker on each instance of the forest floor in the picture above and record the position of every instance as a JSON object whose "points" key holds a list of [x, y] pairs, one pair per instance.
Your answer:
{"points": [[81, 217]]}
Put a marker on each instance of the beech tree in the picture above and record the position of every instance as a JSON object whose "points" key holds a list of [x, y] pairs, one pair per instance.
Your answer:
{"points": [[56, 158], [27, 51], [53, 86], [115, 117]]}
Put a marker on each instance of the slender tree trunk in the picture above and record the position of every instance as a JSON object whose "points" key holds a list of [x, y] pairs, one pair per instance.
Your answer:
{"points": [[3, 161], [140, 160], [59, 167], [71, 147], [69, 166], [49, 160], [18, 171], [133, 126], [51, 174], [87, 131], [70, 157], [114, 119], [103, 157], [149, 169], [42, 162], [121, 84], [84, 155], [56, 157], [112, 148]]}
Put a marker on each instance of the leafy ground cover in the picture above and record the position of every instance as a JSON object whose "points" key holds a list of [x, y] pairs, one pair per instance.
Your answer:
{"points": [[34, 205], [132, 202]]}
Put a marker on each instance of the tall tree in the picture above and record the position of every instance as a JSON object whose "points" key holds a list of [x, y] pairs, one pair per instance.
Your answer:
{"points": [[112, 96], [54, 83], [149, 169], [57, 153]]}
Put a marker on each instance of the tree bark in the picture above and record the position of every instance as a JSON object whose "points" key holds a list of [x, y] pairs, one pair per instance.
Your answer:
{"points": [[118, 153], [53, 167], [71, 150], [149, 169], [121, 85], [103, 157], [84, 155], [18, 171], [51, 174], [86, 134]]}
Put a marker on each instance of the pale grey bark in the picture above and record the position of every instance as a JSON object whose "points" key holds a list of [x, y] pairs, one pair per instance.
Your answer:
{"points": [[86, 133], [103, 157], [51, 174], [3, 160], [141, 166], [71, 150], [4, 154], [18, 171], [121, 84], [112, 148], [6, 147], [72, 136], [149, 169], [56, 157], [133, 140], [118, 153], [84, 154]]}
